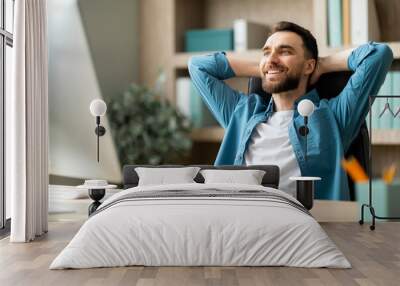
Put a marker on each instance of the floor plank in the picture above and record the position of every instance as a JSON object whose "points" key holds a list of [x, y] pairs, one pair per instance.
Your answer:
{"points": [[375, 257]]}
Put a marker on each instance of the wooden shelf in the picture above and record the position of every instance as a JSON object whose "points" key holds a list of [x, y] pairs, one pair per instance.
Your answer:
{"points": [[325, 51], [386, 137], [180, 60], [208, 134], [216, 134]]}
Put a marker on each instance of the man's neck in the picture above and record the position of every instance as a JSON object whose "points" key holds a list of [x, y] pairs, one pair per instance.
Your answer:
{"points": [[285, 100]]}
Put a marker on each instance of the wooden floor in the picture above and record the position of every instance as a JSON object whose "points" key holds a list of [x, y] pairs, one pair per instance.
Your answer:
{"points": [[374, 255]]}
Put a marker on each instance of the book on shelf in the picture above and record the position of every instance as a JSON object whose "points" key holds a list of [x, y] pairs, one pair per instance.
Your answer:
{"points": [[352, 22], [384, 122], [396, 101], [346, 22], [191, 104], [375, 113], [209, 40], [200, 114], [249, 35], [335, 23], [364, 22], [183, 95]]}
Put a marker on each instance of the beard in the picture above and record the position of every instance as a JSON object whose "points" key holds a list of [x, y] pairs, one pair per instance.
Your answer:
{"points": [[289, 83]]}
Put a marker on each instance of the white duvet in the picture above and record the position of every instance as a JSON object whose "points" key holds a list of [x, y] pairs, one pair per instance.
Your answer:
{"points": [[200, 231]]}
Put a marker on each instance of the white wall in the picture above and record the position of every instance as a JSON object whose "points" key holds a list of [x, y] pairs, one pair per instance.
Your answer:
{"points": [[111, 28], [72, 86]]}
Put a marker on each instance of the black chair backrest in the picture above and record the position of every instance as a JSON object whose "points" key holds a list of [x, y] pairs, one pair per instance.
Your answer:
{"points": [[330, 85]]}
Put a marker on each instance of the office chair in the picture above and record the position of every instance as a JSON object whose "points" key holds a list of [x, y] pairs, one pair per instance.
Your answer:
{"points": [[330, 85]]}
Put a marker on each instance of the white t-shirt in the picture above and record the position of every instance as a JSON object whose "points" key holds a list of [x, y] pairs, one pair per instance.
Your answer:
{"points": [[270, 145]]}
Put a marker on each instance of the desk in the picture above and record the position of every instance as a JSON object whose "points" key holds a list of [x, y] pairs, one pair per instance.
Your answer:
{"points": [[335, 211]]}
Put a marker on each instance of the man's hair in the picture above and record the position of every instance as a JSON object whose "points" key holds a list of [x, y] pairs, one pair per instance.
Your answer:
{"points": [[309, 42]]}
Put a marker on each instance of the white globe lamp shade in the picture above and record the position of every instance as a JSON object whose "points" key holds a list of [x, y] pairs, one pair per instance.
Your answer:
{"points": [[305, 107], [98, 107]]}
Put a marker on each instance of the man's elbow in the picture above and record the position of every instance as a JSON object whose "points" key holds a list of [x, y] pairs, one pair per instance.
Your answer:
{"points": [[385, 54], [194, 62]]}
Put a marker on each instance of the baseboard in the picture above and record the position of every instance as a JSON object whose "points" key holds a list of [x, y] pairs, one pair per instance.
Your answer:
{"points": [[5, 231]]}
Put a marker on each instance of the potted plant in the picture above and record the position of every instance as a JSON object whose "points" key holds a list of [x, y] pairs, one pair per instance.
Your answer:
{"points": [[147, 129]]}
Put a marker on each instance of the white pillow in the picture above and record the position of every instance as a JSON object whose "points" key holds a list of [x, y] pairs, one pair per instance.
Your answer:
{"points": [[165, 176], [248, 177]]}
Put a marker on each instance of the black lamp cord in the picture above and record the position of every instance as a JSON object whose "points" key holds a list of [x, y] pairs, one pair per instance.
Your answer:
{"points": [[303, 131], [98, 137], [305, 124]]}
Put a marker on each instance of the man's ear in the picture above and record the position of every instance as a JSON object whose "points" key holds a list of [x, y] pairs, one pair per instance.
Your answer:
{"points": [[310, 66]]}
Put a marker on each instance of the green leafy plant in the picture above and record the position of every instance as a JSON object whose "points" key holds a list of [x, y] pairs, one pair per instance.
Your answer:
{"points": [[146, 129]]}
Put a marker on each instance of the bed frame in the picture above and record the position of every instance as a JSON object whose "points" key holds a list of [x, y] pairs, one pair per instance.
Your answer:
{"points": [[270, 179]]}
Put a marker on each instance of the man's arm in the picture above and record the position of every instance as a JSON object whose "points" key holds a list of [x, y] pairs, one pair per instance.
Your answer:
{"points": [[208, 74], [244, 68], [333, 63], [370, 64]]}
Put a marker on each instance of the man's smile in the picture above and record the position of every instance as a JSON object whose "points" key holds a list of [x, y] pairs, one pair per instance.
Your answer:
{"points": [[274, 73]]}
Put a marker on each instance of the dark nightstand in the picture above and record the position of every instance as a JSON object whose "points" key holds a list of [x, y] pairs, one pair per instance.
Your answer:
{"points": [[305, 190], [96, 193]]}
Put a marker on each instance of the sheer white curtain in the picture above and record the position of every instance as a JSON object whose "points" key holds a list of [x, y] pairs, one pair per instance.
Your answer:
{"points": [[27, 123]]}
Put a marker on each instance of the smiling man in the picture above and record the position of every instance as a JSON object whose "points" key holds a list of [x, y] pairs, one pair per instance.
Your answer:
{"points": [[258, 131]]}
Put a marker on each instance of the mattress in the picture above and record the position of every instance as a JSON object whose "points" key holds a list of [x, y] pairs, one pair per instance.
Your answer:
{"points": [[201, 225]]}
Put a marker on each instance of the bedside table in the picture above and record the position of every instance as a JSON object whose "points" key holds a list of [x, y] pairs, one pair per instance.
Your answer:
{"points": [[96, 193], [305, 190]]}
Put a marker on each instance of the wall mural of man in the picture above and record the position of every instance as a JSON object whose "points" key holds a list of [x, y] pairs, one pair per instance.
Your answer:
{"points": [[260, 131]]}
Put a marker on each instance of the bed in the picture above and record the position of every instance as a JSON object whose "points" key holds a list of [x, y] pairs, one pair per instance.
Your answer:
{"points": [[201, 224]]}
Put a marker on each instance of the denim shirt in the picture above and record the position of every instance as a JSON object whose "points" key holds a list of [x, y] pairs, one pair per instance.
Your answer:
{"points": [[333, 125]]}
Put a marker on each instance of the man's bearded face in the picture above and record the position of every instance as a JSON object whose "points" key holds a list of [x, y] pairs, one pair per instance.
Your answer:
{"points": [[283, 63]]}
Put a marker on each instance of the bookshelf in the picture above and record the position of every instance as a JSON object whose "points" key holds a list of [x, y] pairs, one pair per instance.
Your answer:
{"points": [[180, 60], [167, 21], [197, 14], [201, 14]]}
